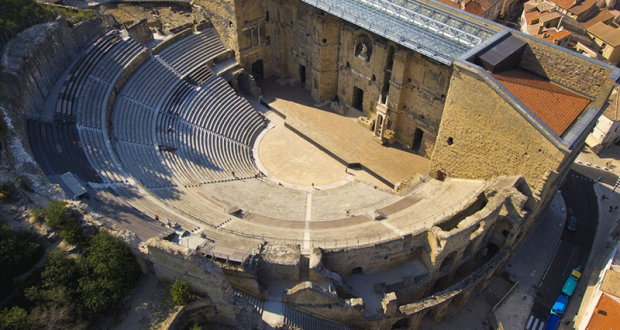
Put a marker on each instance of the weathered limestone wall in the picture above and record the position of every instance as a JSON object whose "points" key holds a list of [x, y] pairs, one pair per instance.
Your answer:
{"points": [[223, 16], [482, 136], [279, 262], [377, 257], [141, 31], [172, 262], [311, 298], [33, 61]]}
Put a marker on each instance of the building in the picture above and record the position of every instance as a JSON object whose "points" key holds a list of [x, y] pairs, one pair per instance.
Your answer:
{"points": [[607, 129]]}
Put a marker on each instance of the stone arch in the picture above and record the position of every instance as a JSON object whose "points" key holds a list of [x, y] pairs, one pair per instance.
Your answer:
{"points": [[448, 262], [403, 323], [357, 270], [501, 231]]}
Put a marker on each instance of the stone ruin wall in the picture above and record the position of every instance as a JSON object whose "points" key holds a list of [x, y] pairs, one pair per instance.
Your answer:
{"points": [[33, 61], [170, 261]]}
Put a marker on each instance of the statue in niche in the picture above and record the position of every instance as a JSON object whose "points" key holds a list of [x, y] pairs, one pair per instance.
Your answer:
{"points": [[363, 53]]}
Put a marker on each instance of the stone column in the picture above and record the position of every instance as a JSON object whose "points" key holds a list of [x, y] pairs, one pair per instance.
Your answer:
{"points": [[383, 122], [438, 313], [461, 300], [379, 118]]}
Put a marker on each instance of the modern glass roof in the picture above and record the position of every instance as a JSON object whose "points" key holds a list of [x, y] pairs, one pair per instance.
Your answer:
{"points": [[431, 30]]}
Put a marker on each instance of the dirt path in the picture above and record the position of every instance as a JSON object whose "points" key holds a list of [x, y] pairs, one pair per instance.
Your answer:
{"points": [[149, 307]]}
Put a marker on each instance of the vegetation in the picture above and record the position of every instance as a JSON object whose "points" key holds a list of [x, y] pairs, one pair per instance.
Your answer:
{"points": [[16, 15], [15, 318], [181, 292], [58, 217], [7, 189], [73, 292], [18, 253]]}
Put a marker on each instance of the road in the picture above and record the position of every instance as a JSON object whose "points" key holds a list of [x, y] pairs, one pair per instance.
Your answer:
{"points": [[574, 247]]}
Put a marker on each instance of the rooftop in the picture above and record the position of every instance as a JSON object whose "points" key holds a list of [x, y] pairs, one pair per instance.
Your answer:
{"points": [[555, 106], [601, 16], [564, 3], [606, 315], [554, 35], [582, 6], [606, 33], [442, 34], [474, 8]]}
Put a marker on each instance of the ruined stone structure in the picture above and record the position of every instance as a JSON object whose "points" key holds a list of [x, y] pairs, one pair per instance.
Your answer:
{"points": [[500, 115]]}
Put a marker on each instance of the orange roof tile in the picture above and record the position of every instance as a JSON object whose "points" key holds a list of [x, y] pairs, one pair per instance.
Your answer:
{"points": [[564, 3], [606, 316], [582, 6], [529, 17], [602, 15], [474, 8], [553, 105], [553, 35]]}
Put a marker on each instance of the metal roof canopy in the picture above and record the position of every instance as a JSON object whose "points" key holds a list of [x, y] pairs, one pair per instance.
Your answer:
{"points": [[430, 30]]}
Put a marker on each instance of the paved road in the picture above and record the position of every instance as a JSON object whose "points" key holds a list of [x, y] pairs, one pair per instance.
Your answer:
{"points": [[574, 247]]}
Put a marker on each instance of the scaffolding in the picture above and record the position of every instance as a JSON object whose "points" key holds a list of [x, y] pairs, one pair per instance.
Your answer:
{"points": [[430, 30]]}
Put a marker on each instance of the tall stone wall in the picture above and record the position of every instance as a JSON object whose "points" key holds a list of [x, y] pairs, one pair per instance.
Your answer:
{"points": [[222, 14], [482, 136], [33, 61]]}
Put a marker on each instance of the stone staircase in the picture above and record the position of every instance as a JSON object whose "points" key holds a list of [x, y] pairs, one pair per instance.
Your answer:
{"points": [[301, 320], [290, 316]]}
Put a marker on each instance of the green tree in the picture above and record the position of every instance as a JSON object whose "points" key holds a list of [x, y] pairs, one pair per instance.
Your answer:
{"points": [[108, 270], [181, 292], [58, 217], [15, 318]]}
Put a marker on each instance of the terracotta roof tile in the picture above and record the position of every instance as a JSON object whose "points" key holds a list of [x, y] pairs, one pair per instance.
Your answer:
{"points": [[564, 3], [474, 8], [582, 6], [606, 316], [553, 105], [553, 35], [602, 15]]}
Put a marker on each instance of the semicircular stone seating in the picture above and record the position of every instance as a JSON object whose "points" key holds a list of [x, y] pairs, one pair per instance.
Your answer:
{"points": [[180, 130]]}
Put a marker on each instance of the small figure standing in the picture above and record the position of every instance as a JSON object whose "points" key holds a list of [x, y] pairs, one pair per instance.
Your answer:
{"points": [[611, 209], [156, 217], [169, 223], [233, 173], [346, 169]]}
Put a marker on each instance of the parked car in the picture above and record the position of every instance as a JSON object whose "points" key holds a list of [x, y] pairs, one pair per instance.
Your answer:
{"points": [[572, 225]]}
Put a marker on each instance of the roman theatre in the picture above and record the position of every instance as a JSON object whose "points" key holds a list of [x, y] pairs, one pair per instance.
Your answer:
{"points": [[352, 164]]}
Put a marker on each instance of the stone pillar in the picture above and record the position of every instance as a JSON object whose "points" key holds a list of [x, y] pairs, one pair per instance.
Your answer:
{"points": [[378, 121], [438, 313], [383, 122], [416, 320], [461, 300], [390, 304]]}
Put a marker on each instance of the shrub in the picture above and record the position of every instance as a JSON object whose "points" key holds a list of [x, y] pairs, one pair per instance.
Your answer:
{"points": [[181, 292], [36, 214], [195, 326], [58, 217], [56, 214], [108, 270], [15, 318], [7, 189]]}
